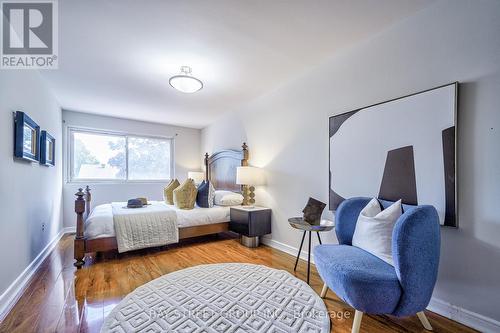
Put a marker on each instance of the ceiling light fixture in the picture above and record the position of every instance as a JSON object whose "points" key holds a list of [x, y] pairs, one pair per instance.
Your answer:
{"points": [[185, 82]]}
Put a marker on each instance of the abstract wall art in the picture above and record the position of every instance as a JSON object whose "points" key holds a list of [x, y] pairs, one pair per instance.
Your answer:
{"points": [[404, 148]]}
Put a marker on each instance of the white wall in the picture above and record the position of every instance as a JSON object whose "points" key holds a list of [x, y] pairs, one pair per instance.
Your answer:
{"points": [[30, 194], [287, 132], [186, 154]]}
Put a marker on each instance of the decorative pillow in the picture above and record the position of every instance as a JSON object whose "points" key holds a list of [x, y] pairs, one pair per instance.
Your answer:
{"points": [[228, 198], [374, 227], [185, 195], [168, 191], [206, 195]]}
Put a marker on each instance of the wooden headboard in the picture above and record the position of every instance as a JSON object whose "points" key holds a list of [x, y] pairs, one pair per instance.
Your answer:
{"points": [[220, 168]]}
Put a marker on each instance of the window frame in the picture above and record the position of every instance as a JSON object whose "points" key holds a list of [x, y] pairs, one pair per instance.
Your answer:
{"points": [[126, 135]]}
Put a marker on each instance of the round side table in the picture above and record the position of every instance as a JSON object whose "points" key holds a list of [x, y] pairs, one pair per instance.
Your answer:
{"points": [[300, 224]]}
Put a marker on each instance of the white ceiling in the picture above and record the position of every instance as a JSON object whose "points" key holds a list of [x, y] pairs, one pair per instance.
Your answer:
{"points": [[116, 56]]}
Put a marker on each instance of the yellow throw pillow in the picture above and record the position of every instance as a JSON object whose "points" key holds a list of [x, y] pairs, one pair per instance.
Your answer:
{"points": [[168, 191], [185, 195]]}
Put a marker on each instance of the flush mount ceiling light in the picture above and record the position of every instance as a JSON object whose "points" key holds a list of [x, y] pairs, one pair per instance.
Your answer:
{"points": [[185, 82]]}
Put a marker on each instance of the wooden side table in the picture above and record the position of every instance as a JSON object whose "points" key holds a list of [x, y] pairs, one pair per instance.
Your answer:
{"points": [[300, 224], [250, 223]]}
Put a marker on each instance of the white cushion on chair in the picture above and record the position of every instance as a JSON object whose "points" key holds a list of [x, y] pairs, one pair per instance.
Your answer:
{"points": [[374, 227]]}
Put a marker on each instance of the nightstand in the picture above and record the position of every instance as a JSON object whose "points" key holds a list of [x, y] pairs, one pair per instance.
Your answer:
{"points": [[250, 223]]}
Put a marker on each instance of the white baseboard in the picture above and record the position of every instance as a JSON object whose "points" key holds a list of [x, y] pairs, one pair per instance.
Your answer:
{"points": [[70, 230], [10, 296], [287, 248], [453, 312], [464, 316]]}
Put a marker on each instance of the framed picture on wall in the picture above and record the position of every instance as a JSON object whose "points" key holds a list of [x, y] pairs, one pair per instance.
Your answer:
{"points": [[47, 149], [404, 149], [26, 138]]}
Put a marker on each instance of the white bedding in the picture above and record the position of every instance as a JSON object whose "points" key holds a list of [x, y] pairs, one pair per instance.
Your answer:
{"points": [[150, 226], [99, 224]]}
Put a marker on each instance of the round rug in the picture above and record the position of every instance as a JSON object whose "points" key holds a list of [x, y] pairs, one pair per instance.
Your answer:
{"points": [[221, 298]]}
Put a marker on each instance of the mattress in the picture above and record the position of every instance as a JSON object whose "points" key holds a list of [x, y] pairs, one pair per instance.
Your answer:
{"points": [[99, 224]]}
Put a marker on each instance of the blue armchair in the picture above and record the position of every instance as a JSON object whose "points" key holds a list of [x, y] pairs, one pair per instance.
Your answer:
{"points": [[369, 284]]}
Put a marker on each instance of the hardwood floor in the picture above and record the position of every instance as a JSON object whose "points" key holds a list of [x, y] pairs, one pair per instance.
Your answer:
{"points": [[61, 299]]}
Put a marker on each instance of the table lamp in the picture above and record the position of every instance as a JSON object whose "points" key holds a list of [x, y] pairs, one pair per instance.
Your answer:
{"points": [[197, 176], [249, 177]]}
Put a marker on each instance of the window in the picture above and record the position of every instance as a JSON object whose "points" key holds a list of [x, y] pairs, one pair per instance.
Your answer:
{"points": [[102, 156]]}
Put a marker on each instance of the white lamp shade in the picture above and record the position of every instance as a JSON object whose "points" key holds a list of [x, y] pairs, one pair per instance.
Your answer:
{"points": [[197, 176], [247, 175]]}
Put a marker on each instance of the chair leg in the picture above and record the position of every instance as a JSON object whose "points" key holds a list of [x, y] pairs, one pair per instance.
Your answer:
{"points": [[425, 322], [324, 290], [358, 315]]}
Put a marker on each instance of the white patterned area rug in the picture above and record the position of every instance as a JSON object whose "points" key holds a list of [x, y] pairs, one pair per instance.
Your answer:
{"points": [[221, 298]]}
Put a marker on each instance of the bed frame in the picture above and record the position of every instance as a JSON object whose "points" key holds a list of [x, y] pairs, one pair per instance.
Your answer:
{"points": [[220, 169]]}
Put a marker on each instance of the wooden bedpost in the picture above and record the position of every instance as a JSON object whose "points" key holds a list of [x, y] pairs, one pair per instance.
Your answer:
{"points": [[206, 166], [244, 161], [88, 200], [79, 248]]}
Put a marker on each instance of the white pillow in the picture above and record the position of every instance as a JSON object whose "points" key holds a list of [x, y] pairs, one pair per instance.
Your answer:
{"points": [[227, 198], [374, 227]]}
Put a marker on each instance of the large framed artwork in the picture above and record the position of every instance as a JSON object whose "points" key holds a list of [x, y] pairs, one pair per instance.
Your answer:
{"points": [[404, 148], [26, 138]]}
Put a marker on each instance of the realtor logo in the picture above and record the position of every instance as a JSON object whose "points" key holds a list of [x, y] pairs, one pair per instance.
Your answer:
{"points": [[29, 34]]}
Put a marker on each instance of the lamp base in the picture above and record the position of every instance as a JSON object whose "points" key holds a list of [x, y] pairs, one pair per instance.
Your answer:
{"points": [[248, 195], [251, 195]]}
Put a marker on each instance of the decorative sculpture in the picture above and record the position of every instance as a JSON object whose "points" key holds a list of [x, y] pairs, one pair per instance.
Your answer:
{"points": [[313, 210]]}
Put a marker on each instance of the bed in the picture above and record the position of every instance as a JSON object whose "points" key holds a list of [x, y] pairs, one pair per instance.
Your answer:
{"points": [[95, 228]]}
